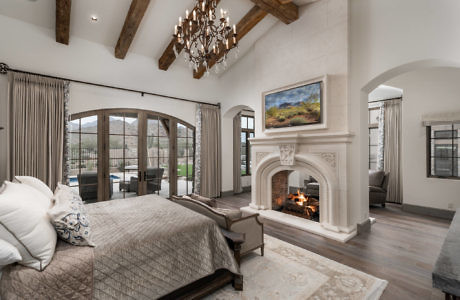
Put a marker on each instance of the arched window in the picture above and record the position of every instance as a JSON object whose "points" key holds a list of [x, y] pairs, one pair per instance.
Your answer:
{"points": [[120, 153]]}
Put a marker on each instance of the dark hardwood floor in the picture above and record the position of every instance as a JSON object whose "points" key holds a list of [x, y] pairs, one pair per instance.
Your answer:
{"points": [[401, 248]]}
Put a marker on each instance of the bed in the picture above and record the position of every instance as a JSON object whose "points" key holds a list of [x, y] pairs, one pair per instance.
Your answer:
{"points": [[146, 247]]}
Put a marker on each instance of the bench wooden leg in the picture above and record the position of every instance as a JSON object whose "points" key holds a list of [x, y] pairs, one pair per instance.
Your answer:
{"points": [[238, 282], [237, 253], [262, 250]]}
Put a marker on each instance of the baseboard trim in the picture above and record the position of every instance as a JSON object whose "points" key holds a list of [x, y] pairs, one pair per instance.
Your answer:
{"points": [[226, 193], [429, 211], [364, 227], [246, 189]]}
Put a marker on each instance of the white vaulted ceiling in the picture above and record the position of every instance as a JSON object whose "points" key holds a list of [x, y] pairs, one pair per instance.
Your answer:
{"points": [[154, 32]]}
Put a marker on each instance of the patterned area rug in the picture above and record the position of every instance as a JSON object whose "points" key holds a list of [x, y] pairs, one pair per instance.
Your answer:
{"points": [[289, 272]]}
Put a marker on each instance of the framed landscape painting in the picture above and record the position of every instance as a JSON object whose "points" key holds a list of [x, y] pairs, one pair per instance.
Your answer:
{"points": [[293, 106]]}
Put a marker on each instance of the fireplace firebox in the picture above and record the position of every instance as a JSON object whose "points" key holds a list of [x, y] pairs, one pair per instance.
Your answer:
{"points": [[290, 198]]}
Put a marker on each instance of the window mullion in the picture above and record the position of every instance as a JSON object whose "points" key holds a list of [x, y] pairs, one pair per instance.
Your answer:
{"points": [[452, 151]]}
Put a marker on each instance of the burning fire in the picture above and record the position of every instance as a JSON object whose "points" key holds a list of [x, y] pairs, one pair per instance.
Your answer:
{"points": [[310, 204], [279, 201]]}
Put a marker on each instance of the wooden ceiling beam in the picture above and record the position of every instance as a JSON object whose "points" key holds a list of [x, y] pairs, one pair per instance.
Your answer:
{"points": [[251, 19], [133, 20], [168, 56], [63, 21], [284, 10]]}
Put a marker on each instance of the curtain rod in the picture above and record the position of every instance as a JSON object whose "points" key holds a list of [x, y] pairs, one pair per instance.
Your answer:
{"points": [[4, 68], [383, 100]]}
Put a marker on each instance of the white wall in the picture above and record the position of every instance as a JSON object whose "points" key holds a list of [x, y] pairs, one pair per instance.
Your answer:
{"points": [[312, 46], [85, 97], [297, 179], [388, 38], [31, 48], [383, 92], [426, 91]]}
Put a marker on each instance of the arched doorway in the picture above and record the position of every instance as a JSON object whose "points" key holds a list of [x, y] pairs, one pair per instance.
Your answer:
{"points": [[238, 157], [387, 78]]}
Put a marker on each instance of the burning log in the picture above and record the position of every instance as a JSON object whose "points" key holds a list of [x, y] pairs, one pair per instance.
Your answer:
{"points": [[302, 204]]}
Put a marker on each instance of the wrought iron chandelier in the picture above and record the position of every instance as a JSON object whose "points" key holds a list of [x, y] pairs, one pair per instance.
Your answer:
{"points": [[205, 38]]}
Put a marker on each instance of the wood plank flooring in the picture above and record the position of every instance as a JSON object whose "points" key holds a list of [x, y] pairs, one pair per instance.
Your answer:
{"points": [[401, 248]]}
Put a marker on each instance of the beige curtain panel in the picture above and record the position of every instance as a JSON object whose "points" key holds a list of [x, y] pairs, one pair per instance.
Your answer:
{"points": [[37, 127], [210, 148], [237, 154], [392, 149]]}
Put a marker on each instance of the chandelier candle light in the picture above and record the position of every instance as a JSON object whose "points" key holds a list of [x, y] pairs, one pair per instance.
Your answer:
{"points": [[204, 37]]}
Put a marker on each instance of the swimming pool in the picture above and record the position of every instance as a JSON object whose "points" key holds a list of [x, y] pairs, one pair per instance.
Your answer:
{"points": [[73, 179]]}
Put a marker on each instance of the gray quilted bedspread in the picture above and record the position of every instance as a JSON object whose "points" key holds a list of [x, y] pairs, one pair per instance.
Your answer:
{"points": [[146, 247]]}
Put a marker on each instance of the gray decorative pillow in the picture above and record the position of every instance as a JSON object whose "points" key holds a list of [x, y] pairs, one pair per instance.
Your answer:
{"points": [[69, 218]]}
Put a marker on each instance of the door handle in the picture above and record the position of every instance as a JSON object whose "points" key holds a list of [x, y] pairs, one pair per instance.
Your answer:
{"points": [[140, 176]]}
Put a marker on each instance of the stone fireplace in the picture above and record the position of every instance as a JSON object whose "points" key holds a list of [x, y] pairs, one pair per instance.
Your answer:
{"points": [[323, 157]]}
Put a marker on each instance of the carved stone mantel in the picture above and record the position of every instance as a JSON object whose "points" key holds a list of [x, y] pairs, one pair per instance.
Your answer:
{"points": [[287, 152], [321, 155]]}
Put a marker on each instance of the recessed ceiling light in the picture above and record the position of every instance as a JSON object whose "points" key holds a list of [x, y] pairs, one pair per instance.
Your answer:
{"points": [[94, 18]]}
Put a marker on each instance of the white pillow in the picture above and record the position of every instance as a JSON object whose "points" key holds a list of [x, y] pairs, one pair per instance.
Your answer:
{"points": [[24, 223], [36, 184], [68, 215], [8, 254]]}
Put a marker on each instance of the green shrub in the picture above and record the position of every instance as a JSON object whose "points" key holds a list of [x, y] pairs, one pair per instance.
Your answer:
{"points": [[290, 114], [297, 121], [272, 111], [281, 118]]}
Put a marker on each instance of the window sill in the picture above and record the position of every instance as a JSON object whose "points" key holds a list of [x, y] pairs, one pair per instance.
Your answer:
{"points": [[444, 177]]}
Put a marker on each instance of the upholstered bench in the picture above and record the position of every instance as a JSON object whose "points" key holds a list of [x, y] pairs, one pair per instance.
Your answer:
{"points": [[245, 234]]}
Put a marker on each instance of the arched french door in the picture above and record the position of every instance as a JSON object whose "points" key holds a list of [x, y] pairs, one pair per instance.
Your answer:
{"points": [[122, 153]]}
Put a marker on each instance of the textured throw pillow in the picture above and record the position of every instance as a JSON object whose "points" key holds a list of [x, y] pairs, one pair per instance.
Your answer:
{"points": [[205, 200], [24, 223], [36, 184], [8, 254], [68, 215]]}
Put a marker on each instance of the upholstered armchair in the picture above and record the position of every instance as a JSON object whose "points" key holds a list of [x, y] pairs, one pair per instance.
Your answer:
{"points": [[88, 184], [249, 229], [312, 188], [153, 177], [378, 184]]}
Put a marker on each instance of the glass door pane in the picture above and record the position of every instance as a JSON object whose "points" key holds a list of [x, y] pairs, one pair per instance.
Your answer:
{"points": [[156, 173], [243, 153], [123, 155], [185, 159], [83, 149]]}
